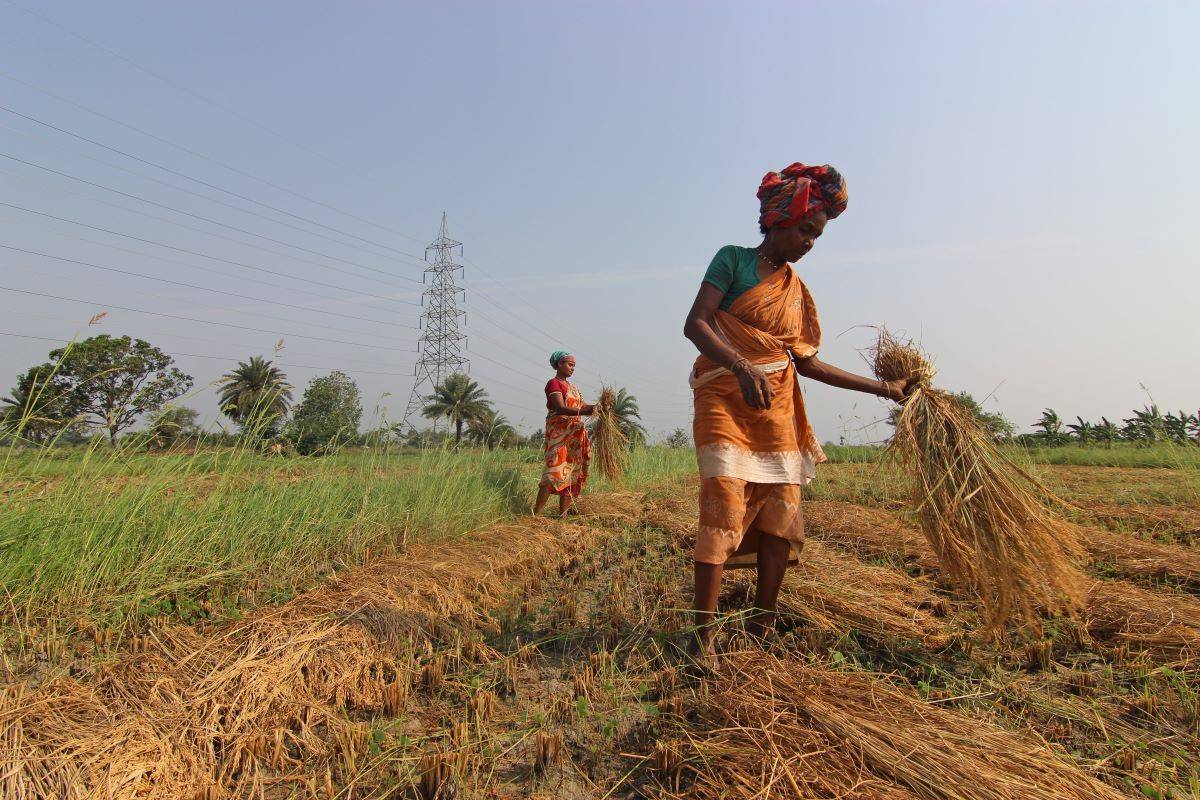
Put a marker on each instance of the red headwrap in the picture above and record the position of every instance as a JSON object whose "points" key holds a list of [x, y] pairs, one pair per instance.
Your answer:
{"points": [[791, 195]]}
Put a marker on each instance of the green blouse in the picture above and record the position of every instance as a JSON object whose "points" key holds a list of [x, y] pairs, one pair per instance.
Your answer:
{"points": [[734, 270]]}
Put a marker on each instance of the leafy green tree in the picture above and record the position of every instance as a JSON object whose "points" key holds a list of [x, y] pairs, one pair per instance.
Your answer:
{"points": [[111, 381], [489, 429], [38, 407], [679, 438], [457, 399], [328, 414], [255, 395], [174, 424]]}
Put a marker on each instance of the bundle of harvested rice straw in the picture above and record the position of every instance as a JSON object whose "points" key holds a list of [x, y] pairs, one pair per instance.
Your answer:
{"points": [[609, 444], [983, 515]]}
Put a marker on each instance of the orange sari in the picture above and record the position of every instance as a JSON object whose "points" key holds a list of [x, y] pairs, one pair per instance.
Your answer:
{"points": [[754, 461], [568, 449]]}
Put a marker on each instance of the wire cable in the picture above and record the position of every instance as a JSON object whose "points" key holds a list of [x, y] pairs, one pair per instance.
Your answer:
{"points": [[202, 321], [223, 237], [200, 217], [220, 358], [194, 252], [204, 288]]}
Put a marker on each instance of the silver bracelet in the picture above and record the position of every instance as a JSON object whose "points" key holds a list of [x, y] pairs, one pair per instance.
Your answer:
{"points": [[734, 365]]}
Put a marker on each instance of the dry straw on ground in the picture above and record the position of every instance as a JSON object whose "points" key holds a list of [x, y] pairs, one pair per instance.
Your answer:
{"points": [[264, 702], [771, 727], [994, 537], [837, 594], [1165, 626], [609, 445], [1139, 558]]}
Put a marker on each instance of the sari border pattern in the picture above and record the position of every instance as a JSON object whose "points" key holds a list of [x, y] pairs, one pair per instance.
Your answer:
{"points": [[723, 459]]}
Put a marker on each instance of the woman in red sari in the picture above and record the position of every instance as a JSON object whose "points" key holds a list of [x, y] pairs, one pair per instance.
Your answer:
{"points": [[567, 447]]}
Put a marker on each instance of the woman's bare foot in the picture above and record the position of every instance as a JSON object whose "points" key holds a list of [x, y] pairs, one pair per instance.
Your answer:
{"points": [[702, 653]]}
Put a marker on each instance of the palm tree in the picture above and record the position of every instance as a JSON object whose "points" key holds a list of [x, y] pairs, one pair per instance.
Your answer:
{"points": [[1106, 431], [1179, 428], [1052, 428], [489, 429], [37, 407], [1084, 431], [1146, 426], [255, 394], [629, 416], [458, 399]]}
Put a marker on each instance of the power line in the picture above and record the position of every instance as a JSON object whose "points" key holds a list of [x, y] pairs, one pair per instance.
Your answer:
{"points": [[194, 252], [202, 196], [217, 358], [161, 259], [174, 85], [177, 173], [212, 102], [204, 288], [200, 217], [202, 321], [223, 237], [522, 319]]}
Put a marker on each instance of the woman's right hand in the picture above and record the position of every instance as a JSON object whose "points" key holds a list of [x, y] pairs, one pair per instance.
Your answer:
{"points": [[755, 385]]}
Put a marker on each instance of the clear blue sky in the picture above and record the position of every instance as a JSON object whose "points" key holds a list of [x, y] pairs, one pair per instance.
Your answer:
{"points": [[1021, 177]]}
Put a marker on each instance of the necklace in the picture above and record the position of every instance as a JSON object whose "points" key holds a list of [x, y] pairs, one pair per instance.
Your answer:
{"points": [[770, 261]]}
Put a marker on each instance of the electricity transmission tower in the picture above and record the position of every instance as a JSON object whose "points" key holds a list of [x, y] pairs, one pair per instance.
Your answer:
{"points": [[442, 343]]}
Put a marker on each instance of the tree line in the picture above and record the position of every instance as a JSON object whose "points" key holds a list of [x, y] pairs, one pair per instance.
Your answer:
{"points": [[1147, 426], [104, 385]]}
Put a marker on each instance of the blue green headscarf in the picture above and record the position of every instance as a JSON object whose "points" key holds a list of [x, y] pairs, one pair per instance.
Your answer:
{"points": [[557, 356]]}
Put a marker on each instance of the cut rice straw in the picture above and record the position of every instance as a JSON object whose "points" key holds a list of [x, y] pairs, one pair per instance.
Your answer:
{"points": [[772, 727], [994, 537], [609, 444]]}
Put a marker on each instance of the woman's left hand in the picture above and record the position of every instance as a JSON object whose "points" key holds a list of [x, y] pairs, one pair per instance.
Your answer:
{"points": [[587, 411], [900, 388]]}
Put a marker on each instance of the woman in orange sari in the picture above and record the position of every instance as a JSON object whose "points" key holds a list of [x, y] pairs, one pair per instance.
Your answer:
{"points": [[756, 327], [568, 449]]}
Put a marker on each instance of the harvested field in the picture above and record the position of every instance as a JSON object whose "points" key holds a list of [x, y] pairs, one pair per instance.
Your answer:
{"points": [[536, 658], [260, 702]]}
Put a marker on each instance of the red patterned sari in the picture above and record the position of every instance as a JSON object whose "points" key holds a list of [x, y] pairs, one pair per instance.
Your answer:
{"points": [[568, 449]]}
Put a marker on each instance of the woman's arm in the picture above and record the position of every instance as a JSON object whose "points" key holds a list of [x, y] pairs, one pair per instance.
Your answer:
{"points": [[701, 329], [818, 370]]}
